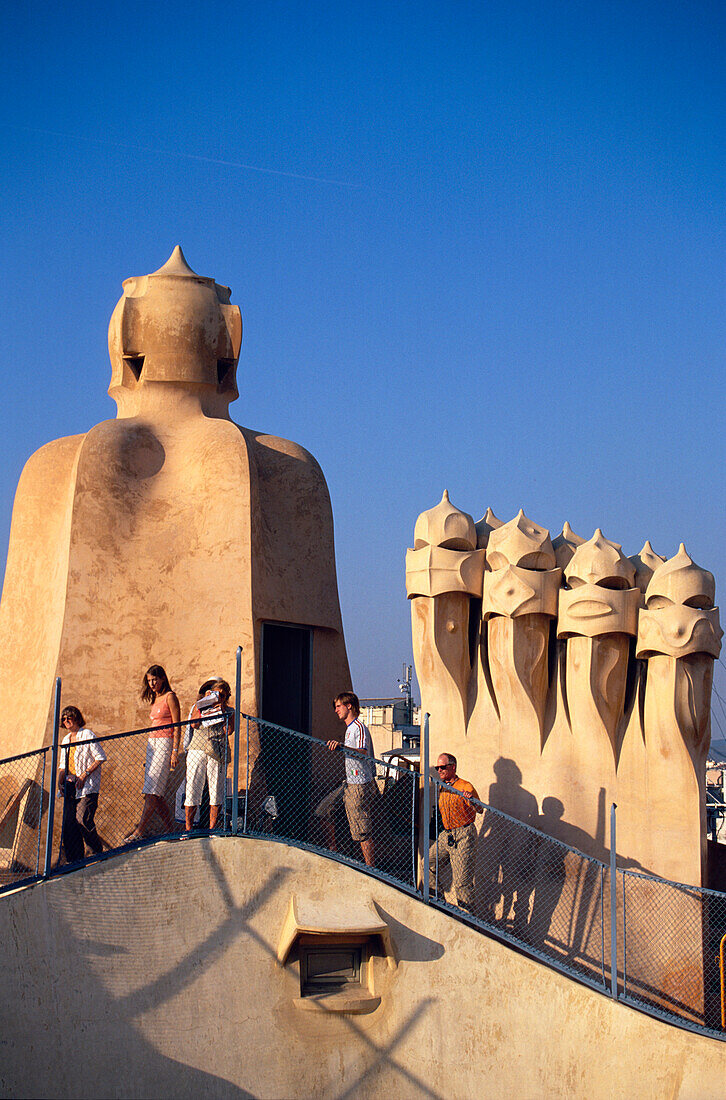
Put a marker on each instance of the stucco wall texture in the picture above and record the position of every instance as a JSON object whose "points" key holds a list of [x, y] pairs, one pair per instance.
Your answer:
{"points": [[558, 668], [155, 973], [167, 536]]}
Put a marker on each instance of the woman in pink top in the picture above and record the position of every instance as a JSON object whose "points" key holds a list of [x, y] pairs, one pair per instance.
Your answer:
{"points": [[162, 750]]}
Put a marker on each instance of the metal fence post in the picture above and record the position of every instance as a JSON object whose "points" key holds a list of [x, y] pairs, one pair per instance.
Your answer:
{"points": [[235, 758], [53, 779], [247, 775], [426, 807], [625, 940], [40, 816], [602, 925], [225, 765], [613, 906]]}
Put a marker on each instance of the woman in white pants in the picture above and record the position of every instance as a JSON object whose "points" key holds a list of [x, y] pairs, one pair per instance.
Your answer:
{"points": [[181, 793], [162, 750], [207, 754]]}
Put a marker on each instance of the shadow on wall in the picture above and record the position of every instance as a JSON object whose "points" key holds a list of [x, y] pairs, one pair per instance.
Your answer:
{"points": [[411, 946], [149, 1033], [533, 885]]}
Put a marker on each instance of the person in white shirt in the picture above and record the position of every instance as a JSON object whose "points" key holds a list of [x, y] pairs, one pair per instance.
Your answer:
{"points": [[208, 753], [79, 781], [361, 792]]}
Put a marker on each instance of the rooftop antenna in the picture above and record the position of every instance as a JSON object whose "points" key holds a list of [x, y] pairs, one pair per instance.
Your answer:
{"points": [[404, 686]]}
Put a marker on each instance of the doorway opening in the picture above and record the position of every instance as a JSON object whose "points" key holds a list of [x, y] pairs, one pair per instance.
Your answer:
{"points": [[285, 699]]}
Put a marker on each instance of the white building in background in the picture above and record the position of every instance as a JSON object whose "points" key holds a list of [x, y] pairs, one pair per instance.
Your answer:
{"points": [[715, 801], [394, 723]]}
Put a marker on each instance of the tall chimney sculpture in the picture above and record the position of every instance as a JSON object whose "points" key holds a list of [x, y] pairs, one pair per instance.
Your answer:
{"points": [[589, 670], [168, 535]]}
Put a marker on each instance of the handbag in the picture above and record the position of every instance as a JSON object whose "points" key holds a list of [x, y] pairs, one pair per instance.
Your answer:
{"points": [[216, 745]]}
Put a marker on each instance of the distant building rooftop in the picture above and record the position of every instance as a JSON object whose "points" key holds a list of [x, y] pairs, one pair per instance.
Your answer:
{"points": [[382, 702]]}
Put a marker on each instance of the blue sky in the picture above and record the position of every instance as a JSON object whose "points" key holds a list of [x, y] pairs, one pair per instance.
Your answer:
{"points": [[477, 246]]}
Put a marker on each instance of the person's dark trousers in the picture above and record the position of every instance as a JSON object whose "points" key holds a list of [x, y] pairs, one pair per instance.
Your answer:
{"points": [[72, 837], [85, 813]]}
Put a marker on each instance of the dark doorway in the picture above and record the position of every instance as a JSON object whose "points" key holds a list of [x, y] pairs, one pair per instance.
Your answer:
{"points": [[285, 693], [285, 701]]}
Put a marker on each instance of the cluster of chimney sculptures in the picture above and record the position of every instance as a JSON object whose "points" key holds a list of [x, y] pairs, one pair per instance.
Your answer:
{"points": [[588, 671], [171, 534]]}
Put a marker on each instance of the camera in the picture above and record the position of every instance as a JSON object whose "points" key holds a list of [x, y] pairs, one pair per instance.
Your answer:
{"points": [[209, 701]]}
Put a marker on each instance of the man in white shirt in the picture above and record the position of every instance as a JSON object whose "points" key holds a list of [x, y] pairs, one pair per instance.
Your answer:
{"points": [[361, 792]]}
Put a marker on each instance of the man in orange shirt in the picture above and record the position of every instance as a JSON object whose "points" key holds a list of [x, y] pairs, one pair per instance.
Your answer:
{"points": [[456, 843]]}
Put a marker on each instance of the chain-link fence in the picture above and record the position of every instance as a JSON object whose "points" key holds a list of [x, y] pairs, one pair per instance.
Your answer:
{"points": [[23, 816], [529, 888], [485, 864], [331, 799], [138, 790], [670, 949]]}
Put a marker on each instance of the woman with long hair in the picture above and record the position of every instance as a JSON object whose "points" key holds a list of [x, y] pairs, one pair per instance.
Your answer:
{"points": [[79, 781], [162, 750]]}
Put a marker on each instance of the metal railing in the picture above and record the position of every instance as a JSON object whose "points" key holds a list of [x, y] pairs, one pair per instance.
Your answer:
{"points": [[23, 817], [500, 867], [670, 949], [525, 886], [363, 812]]}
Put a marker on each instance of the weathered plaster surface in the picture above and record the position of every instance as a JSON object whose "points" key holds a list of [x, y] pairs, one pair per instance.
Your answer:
{"points": [[165, 536], [155, 973], [583, 674]]}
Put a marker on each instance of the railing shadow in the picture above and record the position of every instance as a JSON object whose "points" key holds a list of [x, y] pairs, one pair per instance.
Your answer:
{"points": [[94, 933], [535, 886]]}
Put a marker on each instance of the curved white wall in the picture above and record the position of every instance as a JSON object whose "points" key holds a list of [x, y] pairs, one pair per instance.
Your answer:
{"points": [[154, 973]]}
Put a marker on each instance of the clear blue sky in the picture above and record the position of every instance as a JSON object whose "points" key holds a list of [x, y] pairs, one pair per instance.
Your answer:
{"points": [[477, 246]]}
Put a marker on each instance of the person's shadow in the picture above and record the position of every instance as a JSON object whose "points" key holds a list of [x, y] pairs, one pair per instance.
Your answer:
{"points": [[567, 863], [549, 870], [507, 849]]}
